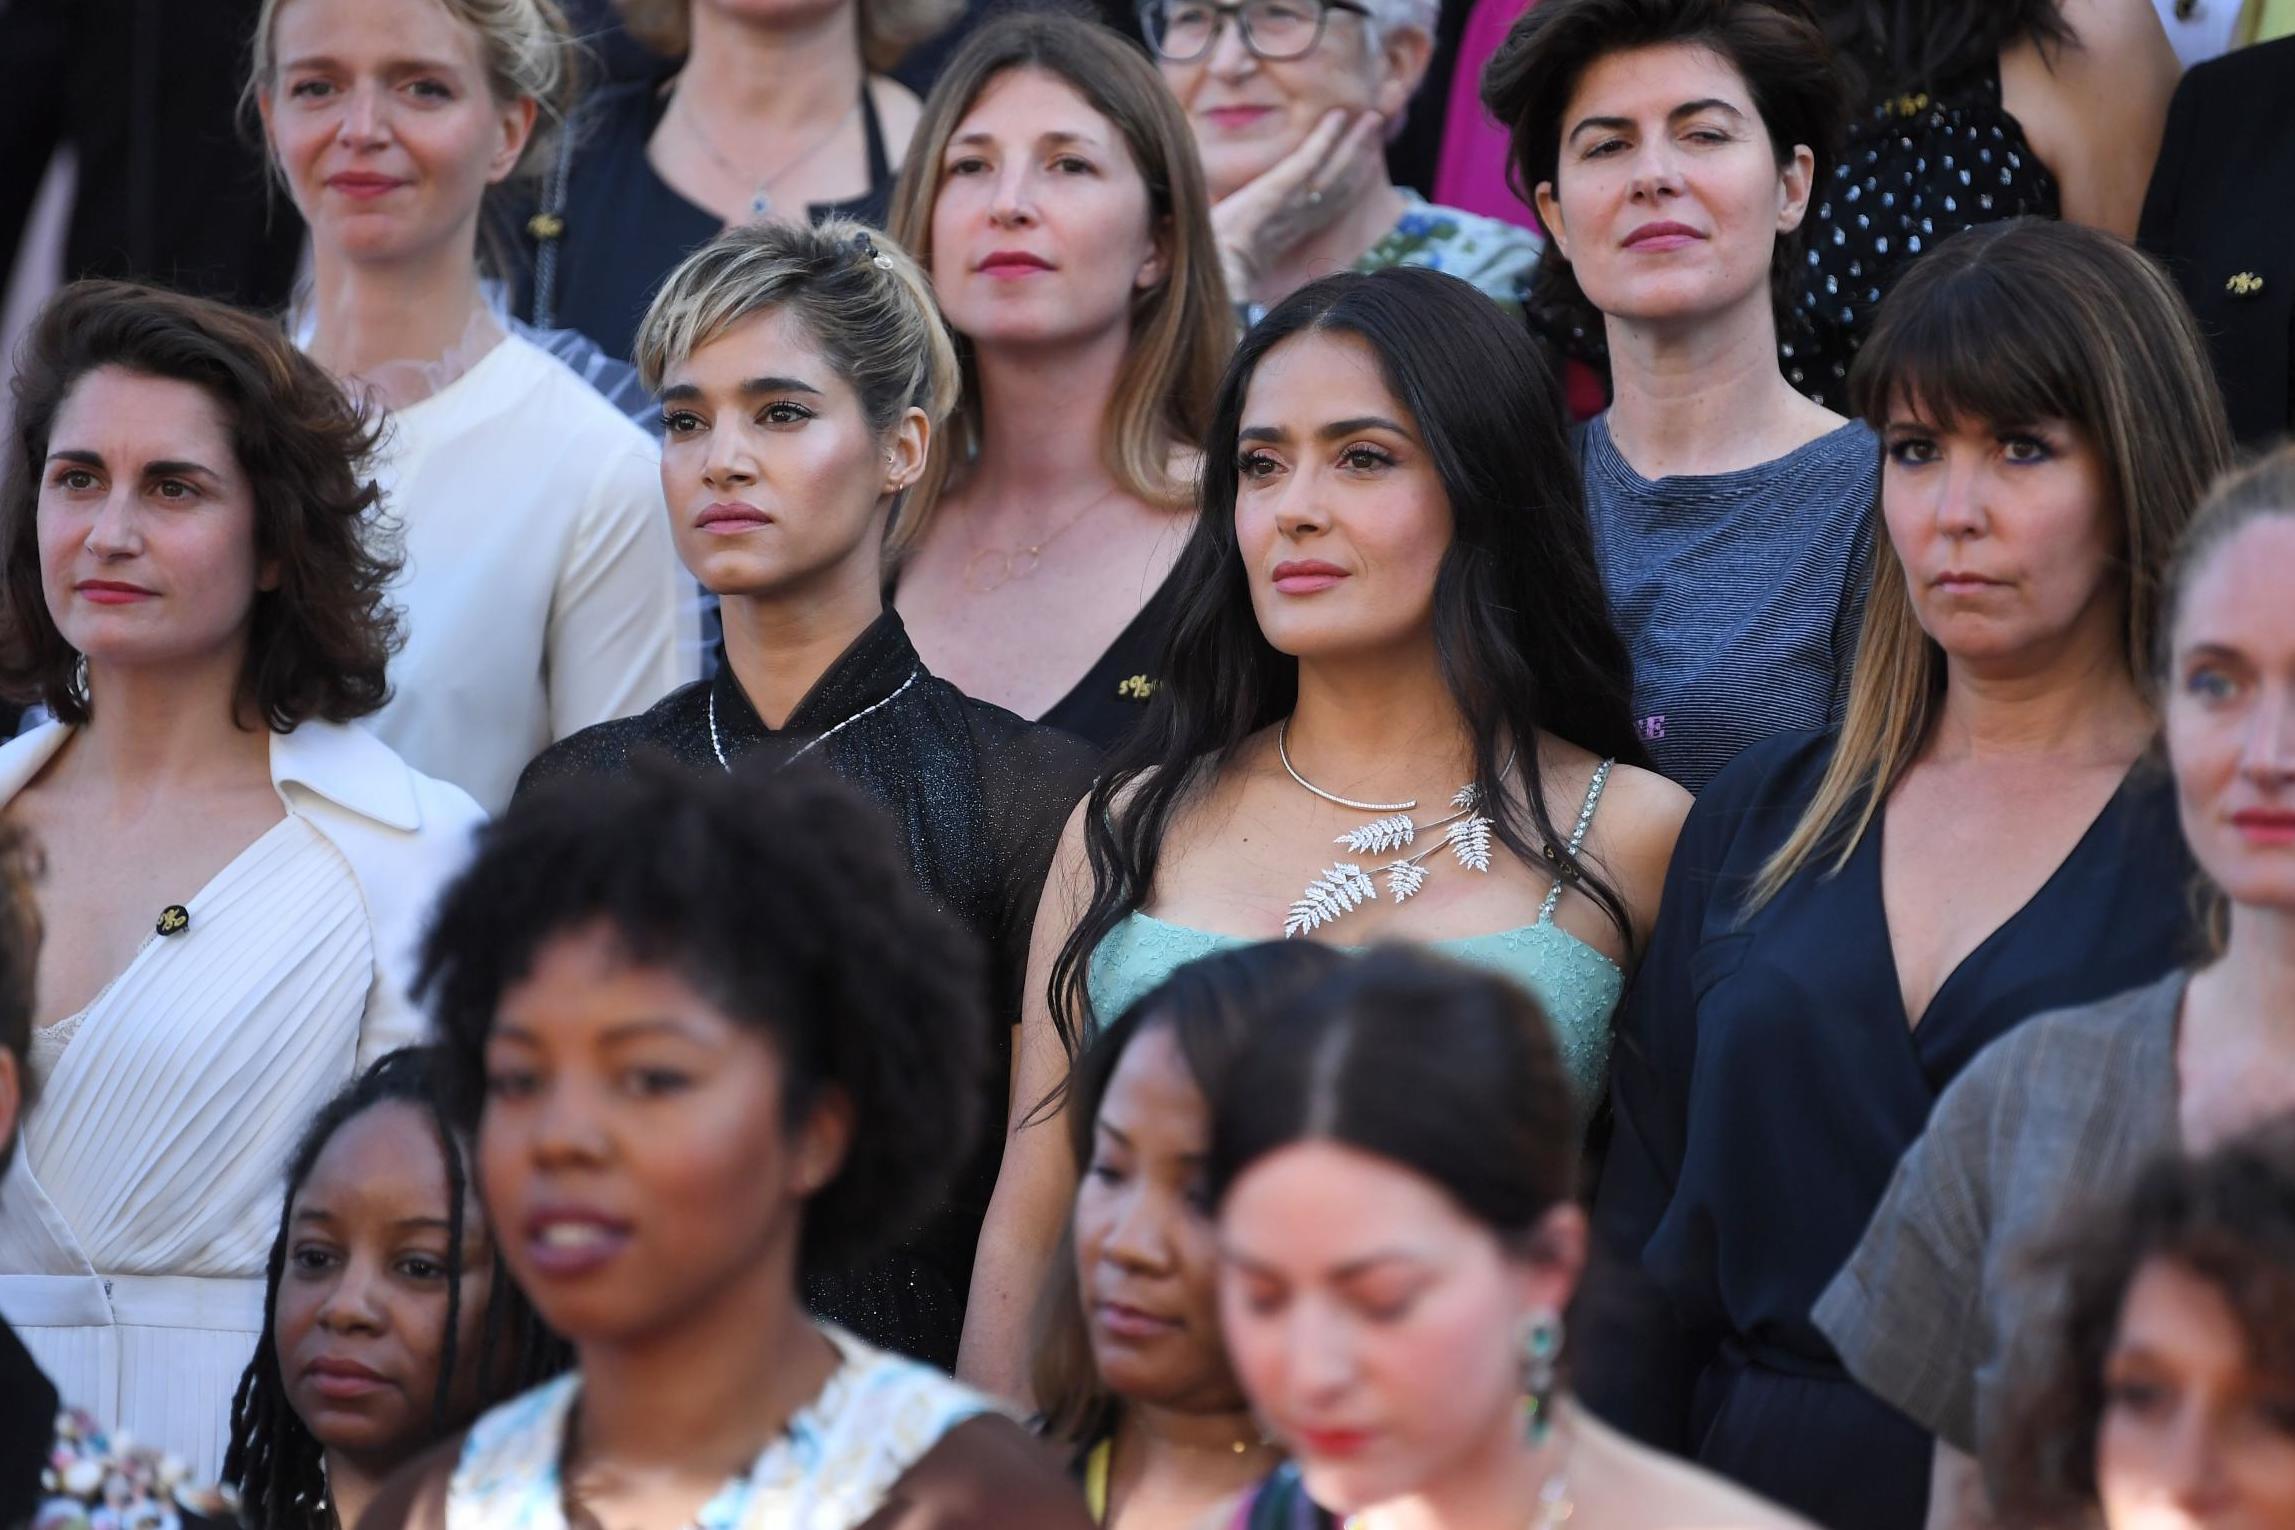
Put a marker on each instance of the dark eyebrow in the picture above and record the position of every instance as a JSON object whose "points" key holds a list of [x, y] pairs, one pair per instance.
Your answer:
{"points": [[1115, 1132], [1686, 109], [647, 1025], [756, 385], [1360, 422], [685, 393], [166, 467], [1330, 432], [176, 467]]}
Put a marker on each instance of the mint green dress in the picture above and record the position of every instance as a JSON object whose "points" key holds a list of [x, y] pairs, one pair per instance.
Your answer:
{"points": [[1577, 985]]}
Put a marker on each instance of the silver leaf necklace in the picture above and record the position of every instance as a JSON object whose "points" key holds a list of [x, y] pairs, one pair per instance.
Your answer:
{"points": [[1345, 886]]}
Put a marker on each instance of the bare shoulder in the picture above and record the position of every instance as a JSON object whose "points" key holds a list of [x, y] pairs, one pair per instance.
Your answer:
{"points": [[985, 1474], [1636, 820], [2115, 43], [1666, 1493]]}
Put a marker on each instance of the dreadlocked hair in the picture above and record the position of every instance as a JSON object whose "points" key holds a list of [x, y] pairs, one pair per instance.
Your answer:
{"points": [[275, 1464]]}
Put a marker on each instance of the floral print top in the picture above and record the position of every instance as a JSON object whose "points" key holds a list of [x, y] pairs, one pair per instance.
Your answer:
{"points": [[1496, 257]]}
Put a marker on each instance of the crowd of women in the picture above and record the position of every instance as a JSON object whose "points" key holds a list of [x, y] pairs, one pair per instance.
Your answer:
{"points": [[814, 810]]}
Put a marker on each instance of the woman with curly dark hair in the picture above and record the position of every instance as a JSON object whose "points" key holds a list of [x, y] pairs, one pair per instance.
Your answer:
{"points": [[389, 1316], [703, 1028], [236, 873], [2167, 1395]]}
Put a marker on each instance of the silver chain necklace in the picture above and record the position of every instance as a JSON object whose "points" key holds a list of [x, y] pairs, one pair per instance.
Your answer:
{"points": [[1345, 886], [717, 744], [761, 200]]}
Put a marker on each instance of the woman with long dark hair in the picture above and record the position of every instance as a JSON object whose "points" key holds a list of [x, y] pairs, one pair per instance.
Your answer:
{"points": [[388, 1319], [1392, 704]]}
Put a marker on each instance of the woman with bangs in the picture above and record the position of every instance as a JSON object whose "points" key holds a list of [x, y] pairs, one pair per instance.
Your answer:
{"points": [[1851, 916]]}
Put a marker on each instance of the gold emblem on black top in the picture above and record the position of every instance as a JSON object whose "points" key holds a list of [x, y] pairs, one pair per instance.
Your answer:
{"points": [[1136, 688], [174, 919], [2245, 284]]}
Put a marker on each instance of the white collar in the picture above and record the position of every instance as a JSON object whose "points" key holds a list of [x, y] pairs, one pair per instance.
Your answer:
{"points": [[341, 762]]}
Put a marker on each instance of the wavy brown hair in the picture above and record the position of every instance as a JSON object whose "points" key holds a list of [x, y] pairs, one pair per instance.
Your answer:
{"points": [[2227, 1219], [2012, 323], [320, 643], [1182, 329]]}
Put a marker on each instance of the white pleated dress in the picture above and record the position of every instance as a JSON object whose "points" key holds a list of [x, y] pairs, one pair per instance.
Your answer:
{"points": [[137, 1217]]}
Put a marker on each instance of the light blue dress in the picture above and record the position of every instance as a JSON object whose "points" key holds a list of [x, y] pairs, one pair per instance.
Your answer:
{"points": [[1578, 986]]}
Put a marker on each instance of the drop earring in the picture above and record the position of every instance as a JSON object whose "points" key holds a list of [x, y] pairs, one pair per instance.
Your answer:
{"points": [[1541, 1352]]}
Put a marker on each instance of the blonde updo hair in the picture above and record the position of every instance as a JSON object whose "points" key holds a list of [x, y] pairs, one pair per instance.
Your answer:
{"points": [[889, 28], [526, 46], [859, 295]]}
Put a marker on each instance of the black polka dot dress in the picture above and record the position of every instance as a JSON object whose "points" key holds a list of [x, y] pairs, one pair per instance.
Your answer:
{"points": [[1918, 168]]}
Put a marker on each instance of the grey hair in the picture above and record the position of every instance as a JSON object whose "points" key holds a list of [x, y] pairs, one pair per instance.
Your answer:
{"points": [[859, 295]]}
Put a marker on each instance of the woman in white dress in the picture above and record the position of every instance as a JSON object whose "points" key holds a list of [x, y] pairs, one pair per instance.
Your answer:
{"points": [[541, 590], [235, 874]]}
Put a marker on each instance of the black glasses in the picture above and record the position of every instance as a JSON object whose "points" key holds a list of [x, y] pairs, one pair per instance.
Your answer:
{"points": [[1185, 30]]}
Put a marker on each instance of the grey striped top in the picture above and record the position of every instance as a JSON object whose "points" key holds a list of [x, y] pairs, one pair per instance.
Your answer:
{"points": [[1738, 594], [1938, 1310]]}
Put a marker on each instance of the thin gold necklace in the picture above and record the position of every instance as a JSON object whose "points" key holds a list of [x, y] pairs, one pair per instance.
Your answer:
{"points": [[1008, 565]]}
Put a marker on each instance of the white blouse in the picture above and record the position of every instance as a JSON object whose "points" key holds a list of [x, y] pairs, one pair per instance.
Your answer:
{"points": [[542, 592], [138, 1215]]}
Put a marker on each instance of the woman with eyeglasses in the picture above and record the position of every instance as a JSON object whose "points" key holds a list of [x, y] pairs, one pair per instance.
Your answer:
{"points": [[1292, 103]]}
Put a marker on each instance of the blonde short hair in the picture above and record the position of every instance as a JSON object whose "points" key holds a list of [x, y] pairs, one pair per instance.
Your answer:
{"points": [[859, 295], [526, 46], [889, 28]]}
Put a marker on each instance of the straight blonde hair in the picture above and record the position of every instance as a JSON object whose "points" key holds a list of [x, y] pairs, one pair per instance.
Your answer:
{"points": [[888, 28], [2014, 323], [1181, 330]]}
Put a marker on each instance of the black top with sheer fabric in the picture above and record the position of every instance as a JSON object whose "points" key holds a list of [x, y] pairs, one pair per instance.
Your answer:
{"points": [[1767, 1080], [978, 797], [622, 229], [1919, 167]]}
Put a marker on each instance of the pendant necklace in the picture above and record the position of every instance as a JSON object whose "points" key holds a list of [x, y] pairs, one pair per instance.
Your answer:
{"points": [[992, 568], [1345, 886], [761, 201]]}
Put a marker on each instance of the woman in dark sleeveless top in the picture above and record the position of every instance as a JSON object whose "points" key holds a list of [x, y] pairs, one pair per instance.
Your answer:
{"points": [[746, 117], [1973, 111]]}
